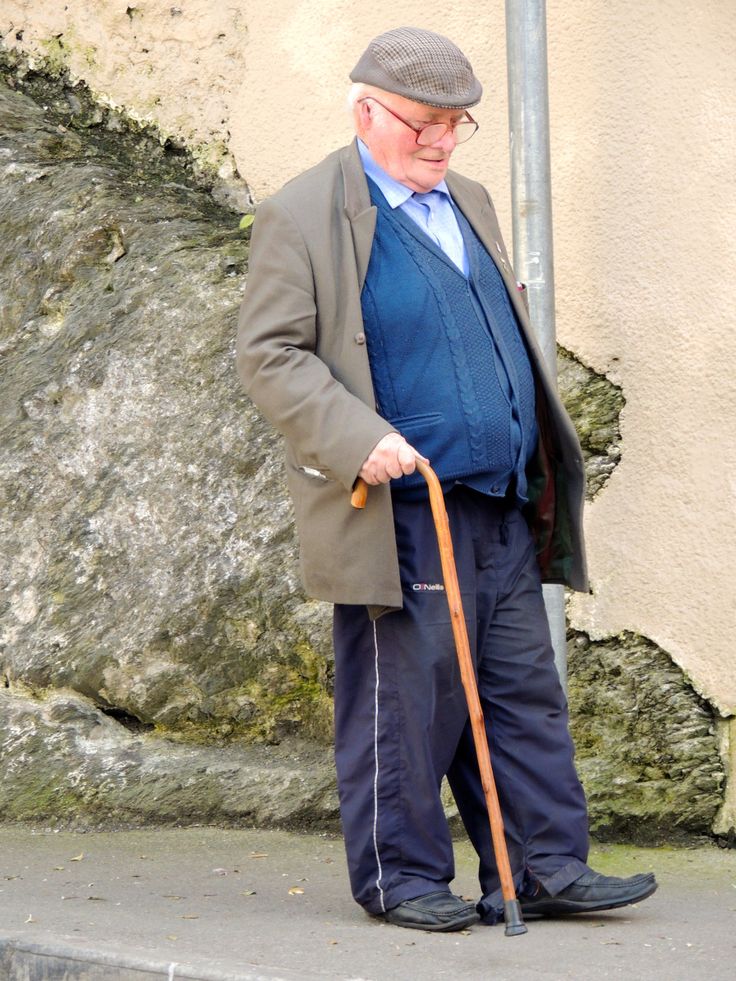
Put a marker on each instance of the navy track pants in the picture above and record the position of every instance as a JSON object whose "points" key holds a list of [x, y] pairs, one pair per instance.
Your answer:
{"points": [[401, 719]]}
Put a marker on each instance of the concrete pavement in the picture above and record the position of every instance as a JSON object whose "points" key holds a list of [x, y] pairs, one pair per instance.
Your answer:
{"points": [[231, 905]]}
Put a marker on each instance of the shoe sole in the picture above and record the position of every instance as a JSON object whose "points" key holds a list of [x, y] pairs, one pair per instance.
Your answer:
{"points": [[449, 927], [562, 907]]}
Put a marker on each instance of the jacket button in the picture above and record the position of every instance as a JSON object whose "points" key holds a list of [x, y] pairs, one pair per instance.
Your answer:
{"points": [[360, 338]]}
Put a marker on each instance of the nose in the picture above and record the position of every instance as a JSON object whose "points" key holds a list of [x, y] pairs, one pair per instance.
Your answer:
{"points": [[447, 143]]}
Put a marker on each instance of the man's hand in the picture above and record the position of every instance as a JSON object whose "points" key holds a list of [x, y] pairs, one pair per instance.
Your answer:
{"points": [[391, 457]]}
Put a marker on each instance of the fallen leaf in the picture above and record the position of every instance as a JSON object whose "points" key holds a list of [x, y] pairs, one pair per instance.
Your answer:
{"points": [[219, 871], [189, 916], [258, 855], [171, 936], [59, 868], [77, 858], [30, 918], [70, 897], [9, 878], [248, 892], [296, 891], [99, 899], [332, 942], [173, 897]]}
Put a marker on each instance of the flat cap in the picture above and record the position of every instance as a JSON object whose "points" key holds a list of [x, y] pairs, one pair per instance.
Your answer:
{"points": [[420, 65]]}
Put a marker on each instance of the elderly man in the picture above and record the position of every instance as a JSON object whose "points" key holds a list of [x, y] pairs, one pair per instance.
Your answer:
{"points": [[382, 322]]}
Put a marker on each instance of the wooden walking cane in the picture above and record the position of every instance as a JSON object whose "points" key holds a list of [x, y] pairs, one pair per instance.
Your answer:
{"points": [[512, 910]]}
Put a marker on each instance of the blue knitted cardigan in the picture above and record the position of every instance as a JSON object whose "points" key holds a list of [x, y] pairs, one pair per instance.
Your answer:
{"points": [[449, 366]]}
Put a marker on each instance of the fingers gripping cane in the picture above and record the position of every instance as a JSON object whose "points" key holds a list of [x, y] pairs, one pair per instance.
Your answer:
{"points": [[512, 910]]}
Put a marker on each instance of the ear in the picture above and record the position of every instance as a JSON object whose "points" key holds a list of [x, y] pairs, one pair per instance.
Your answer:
{"points": [[365, 114]]}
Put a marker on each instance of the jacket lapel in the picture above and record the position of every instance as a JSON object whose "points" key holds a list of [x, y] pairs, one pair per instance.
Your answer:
{"points": [[358, 208], [476, 208]]}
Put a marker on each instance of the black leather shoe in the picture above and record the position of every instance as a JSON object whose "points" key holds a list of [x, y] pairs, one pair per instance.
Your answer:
{"points": [[591, 892], [438, 911]]}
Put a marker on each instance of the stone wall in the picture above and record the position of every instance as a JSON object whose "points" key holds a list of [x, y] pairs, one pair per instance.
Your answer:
{"points": [[150, 562]]}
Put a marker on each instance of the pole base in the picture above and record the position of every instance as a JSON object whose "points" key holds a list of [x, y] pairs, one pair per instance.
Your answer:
{"points": [[515, 925]]}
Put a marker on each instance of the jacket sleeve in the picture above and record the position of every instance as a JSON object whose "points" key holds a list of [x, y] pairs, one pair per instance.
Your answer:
{"points": [[327, 427]]}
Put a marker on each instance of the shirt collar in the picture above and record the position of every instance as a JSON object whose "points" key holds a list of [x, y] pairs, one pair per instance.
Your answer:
{"points": [[394, 191]]}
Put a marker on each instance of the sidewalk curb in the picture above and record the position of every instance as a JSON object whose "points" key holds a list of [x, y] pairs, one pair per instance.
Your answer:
{"points": [[25, 960]]}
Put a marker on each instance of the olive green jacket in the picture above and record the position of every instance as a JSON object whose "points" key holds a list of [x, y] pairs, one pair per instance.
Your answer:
{"points": [[301, 355]]}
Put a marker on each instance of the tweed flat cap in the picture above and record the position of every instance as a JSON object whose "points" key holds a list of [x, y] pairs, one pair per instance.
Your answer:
{"points": [[420, 65]]}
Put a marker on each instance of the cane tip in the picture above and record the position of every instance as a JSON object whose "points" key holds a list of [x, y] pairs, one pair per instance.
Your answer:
{"points": [[515, 925]]}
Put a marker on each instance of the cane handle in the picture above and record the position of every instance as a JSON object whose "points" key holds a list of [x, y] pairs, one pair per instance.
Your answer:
{"points": [[360, 494]]}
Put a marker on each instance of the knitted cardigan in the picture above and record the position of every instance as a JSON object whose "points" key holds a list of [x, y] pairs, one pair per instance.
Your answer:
{"points": [[448, 363]]}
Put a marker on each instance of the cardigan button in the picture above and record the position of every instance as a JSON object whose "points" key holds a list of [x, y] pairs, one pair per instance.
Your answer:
{"points": [[360, 338]]}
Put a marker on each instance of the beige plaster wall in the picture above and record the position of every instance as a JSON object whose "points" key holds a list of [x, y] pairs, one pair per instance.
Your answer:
{"points": [[644, 195], [643, 153]]}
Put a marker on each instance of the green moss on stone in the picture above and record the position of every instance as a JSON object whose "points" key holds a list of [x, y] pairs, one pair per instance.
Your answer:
{"points": [[156, 156], [594, 403], [646, 744], [37, 801], [56, 56]]}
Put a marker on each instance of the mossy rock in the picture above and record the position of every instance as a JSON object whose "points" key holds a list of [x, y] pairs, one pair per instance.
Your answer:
{"points": [[647, 747]]}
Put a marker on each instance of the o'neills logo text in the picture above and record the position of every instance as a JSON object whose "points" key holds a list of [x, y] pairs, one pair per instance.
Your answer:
{"points": [[428, 587]]}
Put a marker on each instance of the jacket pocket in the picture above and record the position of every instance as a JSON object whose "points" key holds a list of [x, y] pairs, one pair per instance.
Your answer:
{"points": [[314, 473]]}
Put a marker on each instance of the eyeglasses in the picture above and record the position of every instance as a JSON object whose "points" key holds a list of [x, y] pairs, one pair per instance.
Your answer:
{"points": [[434, 132]]}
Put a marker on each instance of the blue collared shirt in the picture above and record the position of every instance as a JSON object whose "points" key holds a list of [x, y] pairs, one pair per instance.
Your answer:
{"points": [[433, 211]]}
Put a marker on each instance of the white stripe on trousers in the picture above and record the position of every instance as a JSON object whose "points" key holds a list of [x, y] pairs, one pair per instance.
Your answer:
{"points": [[375, 775]]}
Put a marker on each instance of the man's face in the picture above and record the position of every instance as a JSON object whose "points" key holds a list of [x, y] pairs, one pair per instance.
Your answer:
{"points": [[394, 147]]}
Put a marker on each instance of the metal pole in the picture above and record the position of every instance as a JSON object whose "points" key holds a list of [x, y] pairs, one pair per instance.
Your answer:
{"points": [[531, 199]]}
